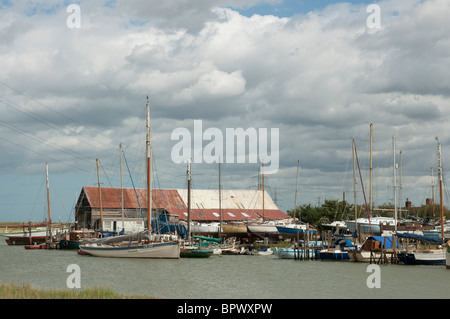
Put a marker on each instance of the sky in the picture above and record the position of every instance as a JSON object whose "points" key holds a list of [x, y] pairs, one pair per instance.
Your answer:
{"points": [[312, 74]]}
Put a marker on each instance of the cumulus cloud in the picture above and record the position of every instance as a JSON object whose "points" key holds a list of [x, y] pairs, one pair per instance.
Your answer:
{"points": [[320, 77]]}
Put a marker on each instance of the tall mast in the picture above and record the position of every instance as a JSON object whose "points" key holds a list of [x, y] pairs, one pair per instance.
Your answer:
{"points": [[440, 189], [189, 198], [354, 187], [400, 184], [121, 185], [100, 197], [432, 194], [149, 153], [371, 173], [48, 203], [263, 189], [220, 199], [296, 188], [395, 182]]}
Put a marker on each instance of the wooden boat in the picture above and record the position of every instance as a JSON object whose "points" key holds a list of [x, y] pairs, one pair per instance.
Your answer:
{"points": [[155, 250], [435, 256], [75, 237], [142, 244], [234, 228], [137, 245], [371, 248], [195, 252]]}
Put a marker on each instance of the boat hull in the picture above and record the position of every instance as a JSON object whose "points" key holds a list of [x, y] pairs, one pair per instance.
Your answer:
{"points": [[423, 258], [262, 229], [289, 253], [69, 244], [25, 240], [154, 250], [447, 257], [195, 253], [334, 255], [233, 229]]}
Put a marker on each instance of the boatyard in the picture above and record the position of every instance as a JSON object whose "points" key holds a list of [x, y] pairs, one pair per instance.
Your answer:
{"points": [[231, 151]]}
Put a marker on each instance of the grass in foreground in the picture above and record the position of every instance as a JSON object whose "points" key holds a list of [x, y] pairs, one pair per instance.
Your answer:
{"points": [[13, 291]]}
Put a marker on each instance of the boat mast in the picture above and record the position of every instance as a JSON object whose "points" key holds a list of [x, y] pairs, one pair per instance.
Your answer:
{"points": [[100, 197], [189, 198], [296, 189], [220, 199], [395, 182], [149, 152], [432, 195], [440, 189], [354, 188], [121, 185], [263, 190], [371, 173], [400, 189], [48, 202]]}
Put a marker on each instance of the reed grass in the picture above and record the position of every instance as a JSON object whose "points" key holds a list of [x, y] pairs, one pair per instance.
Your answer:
{"points": [[26, 291]]}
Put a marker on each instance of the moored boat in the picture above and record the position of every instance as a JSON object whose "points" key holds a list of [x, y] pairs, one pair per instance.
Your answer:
{"points": [[339, 251], [371, 248], [423, 257], [293, 230], [155, 250], [141, 244], [75, 237], [195, 252]]}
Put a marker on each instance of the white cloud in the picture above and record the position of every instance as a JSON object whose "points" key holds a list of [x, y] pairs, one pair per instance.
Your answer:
{"points": [[321, 78]]}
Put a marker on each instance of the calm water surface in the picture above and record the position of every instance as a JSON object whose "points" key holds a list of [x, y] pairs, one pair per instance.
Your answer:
{"points": [[228, 277]]}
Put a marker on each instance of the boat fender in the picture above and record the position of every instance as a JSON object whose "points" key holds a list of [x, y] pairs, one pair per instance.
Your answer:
{"points": [[65, 243]]}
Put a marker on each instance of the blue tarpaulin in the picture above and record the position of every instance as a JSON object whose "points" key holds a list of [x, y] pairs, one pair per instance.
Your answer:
{"points": [[385, 240], [428, 240]]}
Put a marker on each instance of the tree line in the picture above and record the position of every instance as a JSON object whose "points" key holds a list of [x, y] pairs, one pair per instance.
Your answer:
{"points": [[334, 210]]}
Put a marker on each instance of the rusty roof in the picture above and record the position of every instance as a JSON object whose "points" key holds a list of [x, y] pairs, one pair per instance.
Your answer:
{"points": [[236, 204]]}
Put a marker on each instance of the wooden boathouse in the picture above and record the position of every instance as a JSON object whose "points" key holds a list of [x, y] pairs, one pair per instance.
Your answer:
{"points": [[106, 210]]}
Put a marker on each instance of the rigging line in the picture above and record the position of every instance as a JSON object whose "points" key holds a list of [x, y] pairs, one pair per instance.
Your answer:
{"points": [[44, 105], [134, 188], [51, 109], [49, 143], [367, 207], [109, 182], [37, 197], [45, 156], [47, 122]]}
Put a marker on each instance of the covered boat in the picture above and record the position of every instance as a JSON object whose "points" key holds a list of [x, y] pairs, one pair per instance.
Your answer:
{"points": [[423, 256], [371, 248]]}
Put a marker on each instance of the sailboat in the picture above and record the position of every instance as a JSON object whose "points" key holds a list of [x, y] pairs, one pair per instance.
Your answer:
{"points": [[429, 256], [48, 238], [188, 249], [142, 244]]}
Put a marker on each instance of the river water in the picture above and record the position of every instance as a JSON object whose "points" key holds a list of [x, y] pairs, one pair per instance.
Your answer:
{"points": [[224, 277]]}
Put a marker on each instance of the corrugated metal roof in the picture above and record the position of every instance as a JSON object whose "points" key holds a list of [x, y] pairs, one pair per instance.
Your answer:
{"points": [[232, 199], [236, 204]]}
